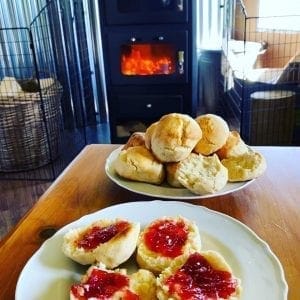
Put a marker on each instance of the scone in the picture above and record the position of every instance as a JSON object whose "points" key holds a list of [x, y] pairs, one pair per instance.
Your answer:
{"points": [[110, 242], [234, 146], [202, 174], [165, 239], [245, 167], [100, 283], [215, 132], [148, 135], [136, 139], [174, 137], [171, 174], [139, 164], [200, 275]]}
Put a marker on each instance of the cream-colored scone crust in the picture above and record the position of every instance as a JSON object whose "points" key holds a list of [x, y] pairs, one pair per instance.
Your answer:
{"points": [[155, 262], [215, 259], [215, 132], [245, 167], [148, 135], [141, 283], [234, 146], [139, 164], [136, 139], [202, 174], [111, 253], [171, 170], [174, 137]]}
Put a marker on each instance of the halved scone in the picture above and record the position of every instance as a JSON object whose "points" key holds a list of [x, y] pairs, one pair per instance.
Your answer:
{"points": [[165, 239], [202, 174], [110, 242], [100, 283], [200, 275], [245, 167]]}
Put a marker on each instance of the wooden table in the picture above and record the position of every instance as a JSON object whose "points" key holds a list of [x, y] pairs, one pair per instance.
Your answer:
{"points": [[270, 206]]}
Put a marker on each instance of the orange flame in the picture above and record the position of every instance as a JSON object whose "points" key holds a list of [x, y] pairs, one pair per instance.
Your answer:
{"points": [[141, 61]]}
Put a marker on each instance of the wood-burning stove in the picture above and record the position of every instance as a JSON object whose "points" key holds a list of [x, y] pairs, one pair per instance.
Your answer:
{"points": [[150, 61]]}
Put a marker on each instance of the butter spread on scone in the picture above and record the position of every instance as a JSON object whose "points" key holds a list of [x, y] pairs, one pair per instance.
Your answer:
{"points": [[164, 239], [100, 283], [110, 242], [200, 275]]}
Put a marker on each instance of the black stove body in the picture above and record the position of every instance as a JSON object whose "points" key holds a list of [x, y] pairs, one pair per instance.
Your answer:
{"points": [[150, 60]]}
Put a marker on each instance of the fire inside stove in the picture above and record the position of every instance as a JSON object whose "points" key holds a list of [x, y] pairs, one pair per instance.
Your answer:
{"points": [[147, 59]]}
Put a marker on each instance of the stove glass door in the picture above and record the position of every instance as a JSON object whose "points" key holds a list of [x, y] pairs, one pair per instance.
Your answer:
{"points": [[147, 59]]}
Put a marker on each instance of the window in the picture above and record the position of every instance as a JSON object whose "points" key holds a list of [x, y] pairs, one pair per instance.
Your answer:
{"points": [[209, 24], [285, 15]]}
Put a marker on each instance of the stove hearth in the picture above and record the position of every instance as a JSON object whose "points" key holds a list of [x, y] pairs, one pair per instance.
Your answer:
{"points": [[149, 52]]}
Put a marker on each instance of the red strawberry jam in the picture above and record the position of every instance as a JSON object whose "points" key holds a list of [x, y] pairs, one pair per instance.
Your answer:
{"points": [[99, 235], [166, 237], [196, 279], [102, 285]]}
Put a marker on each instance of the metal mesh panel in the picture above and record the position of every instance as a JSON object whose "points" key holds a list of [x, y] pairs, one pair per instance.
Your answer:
{"points": [[39, 132], [260, 60], [30, 114]]}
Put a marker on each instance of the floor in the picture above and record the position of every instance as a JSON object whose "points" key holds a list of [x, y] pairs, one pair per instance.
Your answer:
{"points": [[17, 197], [19, 191]]}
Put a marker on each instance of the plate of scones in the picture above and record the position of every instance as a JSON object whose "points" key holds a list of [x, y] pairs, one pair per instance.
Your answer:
{"points": [[153, 250], [180, 157]]}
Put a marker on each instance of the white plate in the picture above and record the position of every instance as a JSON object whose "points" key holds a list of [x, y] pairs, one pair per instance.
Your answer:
{"points": [[49, 274], [162, 191]]}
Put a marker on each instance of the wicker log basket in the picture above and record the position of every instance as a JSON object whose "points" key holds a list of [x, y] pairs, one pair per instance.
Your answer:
{"points": [[29, 134]]}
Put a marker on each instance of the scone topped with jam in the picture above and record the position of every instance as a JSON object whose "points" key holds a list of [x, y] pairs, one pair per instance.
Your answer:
{"points": [[200, 275], [110, 242], [100, 283], [165, 239]]}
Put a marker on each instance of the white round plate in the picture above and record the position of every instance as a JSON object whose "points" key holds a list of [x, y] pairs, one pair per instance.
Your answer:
{"points": [[49, 273], [164, 190]]}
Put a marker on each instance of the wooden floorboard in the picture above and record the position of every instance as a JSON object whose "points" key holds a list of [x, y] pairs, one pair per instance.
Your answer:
{"points": [[17, 197]]}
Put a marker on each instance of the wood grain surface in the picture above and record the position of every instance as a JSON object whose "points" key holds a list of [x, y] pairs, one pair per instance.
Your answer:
{"points": [[16, 198], [270, 206]]}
